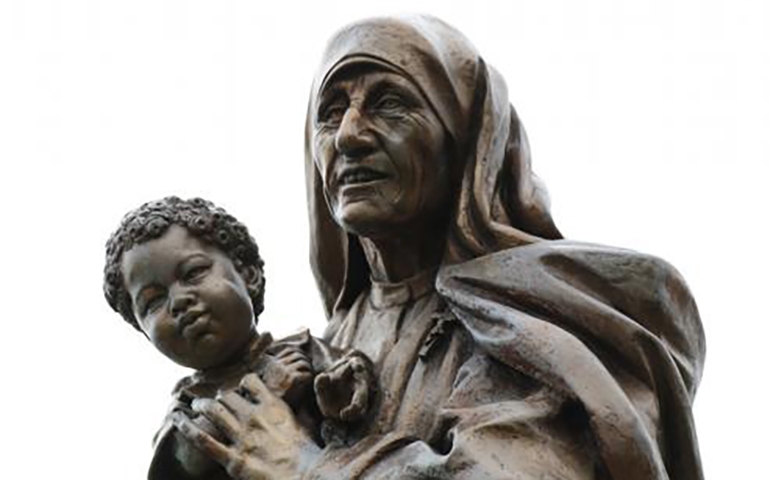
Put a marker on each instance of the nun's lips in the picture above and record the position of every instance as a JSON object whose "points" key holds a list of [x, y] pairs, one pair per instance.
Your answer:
{"points": [[360, 175]]}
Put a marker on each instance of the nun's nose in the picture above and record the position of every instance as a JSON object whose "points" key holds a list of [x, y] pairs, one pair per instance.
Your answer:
{"points": [[354, 138]]}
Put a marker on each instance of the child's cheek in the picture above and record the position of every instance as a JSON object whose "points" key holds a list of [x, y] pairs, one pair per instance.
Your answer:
{"points": [[163, 331]]}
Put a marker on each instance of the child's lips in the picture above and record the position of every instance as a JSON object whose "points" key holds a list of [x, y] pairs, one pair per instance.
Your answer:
{"points": [[197, 328], [191, 323]]}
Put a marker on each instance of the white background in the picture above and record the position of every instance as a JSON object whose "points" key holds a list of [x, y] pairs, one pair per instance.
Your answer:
{"points": [[648, 121]]}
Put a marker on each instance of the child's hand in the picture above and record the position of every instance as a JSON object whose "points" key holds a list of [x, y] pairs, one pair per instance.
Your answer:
{"points": [[343, 391], [289, 375]]}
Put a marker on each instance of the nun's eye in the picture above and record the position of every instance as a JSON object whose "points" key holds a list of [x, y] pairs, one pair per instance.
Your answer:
{"points": [[332, 112], [389, 102], [334, 115]]}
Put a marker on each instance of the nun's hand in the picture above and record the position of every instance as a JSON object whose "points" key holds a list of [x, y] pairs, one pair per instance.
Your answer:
{"points": [[264, 441], [194, 461]]}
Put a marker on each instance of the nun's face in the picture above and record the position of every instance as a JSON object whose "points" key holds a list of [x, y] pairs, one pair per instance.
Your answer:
{"points": [[381, 151]]}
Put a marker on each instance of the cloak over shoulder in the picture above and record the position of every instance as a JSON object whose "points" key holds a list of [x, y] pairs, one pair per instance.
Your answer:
{"points": [[612, 329], [616, 330]]}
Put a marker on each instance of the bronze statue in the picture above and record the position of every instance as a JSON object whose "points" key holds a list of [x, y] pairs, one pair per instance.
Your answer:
{"points": [[189, 276], [500, 349]]}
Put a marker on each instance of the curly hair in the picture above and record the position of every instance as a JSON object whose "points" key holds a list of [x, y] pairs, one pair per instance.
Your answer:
{"points": [[202, 219]]}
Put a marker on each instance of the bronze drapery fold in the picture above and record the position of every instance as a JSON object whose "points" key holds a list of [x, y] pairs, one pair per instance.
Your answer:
{"points": [[615, 330]]}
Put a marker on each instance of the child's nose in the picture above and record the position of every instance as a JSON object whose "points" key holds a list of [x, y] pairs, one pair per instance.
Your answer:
{"points": [[181, 302]]}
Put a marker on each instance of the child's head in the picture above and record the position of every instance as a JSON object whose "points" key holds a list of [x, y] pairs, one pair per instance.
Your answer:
{"points": [[188, 275]]}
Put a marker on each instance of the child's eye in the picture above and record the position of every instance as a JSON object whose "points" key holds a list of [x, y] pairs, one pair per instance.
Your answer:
{"points": [[152, 304], [196, 273]]}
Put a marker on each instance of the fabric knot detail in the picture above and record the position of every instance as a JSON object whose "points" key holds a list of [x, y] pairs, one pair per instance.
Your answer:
{"points": [[444, 322]]}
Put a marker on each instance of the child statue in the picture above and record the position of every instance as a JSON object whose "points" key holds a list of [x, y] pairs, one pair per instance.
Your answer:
{"points": [[189, 276]]}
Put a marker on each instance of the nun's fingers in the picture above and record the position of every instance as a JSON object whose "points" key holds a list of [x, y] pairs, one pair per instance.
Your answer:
{"points": [[244, 410], [202, 440], [220, 416], [270, 411], [254, 389], [245, 467]]}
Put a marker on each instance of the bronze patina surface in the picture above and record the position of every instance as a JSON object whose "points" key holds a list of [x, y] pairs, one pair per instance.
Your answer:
{"points": [[486, 346]]}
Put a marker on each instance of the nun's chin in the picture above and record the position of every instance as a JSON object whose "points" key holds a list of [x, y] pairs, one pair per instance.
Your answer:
{"points": [[366, 217]]}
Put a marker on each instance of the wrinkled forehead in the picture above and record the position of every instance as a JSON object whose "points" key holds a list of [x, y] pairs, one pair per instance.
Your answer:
{"points": [[434, 56], [354, 68], [361, 70]]}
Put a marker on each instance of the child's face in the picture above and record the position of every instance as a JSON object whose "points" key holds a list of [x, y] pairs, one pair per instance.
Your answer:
{"points": [[189, 299]]}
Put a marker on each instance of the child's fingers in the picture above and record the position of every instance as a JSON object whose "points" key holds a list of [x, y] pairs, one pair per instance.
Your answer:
{"points": [[289, 351], [202, 440], [294, 357], [360, 401], [358, 365], [323, 386], [300, 365], [338, 370], [302, 377]]}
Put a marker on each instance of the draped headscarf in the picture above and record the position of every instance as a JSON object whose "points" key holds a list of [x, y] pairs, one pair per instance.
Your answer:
{"points": [[499, 202], [613, 329]]}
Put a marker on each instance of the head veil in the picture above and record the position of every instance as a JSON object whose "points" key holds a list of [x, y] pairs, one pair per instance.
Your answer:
{"points": [[615, 329], [499, 202]]}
